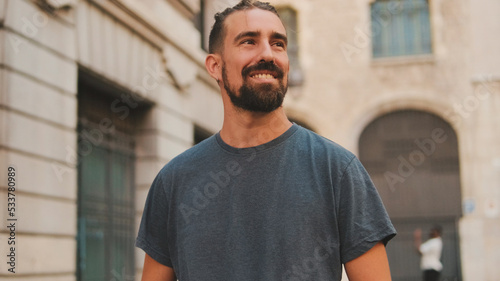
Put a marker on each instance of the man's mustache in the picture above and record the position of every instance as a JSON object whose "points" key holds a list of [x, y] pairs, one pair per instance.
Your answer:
{"points": [[270, 66]]}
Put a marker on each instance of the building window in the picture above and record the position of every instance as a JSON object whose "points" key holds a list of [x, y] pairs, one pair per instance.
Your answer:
{"points": [[289, 18], [106, 191], [400, 28]]}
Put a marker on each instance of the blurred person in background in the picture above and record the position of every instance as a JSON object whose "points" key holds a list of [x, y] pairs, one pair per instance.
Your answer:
{"points": [[430, 252]]}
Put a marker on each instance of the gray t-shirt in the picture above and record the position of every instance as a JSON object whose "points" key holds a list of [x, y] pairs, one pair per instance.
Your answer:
{"points": [[294, 208]]}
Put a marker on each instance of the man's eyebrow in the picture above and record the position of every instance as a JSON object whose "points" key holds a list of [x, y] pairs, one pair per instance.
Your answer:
{"points": [[252, 34], [281, 36]]}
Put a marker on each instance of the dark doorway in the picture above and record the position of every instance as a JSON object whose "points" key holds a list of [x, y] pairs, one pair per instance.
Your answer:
{"points": [[106, 183], [412, 157]]}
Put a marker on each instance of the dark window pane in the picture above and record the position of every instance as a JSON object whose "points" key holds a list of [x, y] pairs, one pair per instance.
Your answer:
{"points": [[106, 210]]}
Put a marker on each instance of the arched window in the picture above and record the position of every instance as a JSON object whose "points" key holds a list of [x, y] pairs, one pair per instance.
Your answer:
{"points": [[400, 28]]}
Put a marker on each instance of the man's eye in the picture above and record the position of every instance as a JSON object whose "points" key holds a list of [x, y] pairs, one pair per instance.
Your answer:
{"points": [[247, 42], [280, 44]]}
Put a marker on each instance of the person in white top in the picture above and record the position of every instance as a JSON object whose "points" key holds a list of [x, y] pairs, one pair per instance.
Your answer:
{"points": [[430, 252]]}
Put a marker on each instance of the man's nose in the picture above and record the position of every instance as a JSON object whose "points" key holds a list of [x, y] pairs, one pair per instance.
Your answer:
{"points": [[266, 53]]}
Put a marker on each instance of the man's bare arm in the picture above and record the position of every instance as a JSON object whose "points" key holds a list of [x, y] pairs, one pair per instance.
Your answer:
{"points": [[371, 266], [155, 271]]}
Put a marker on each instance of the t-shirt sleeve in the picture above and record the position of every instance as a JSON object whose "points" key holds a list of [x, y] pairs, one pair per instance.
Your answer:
{"points": [[363, 220], [152, 236]]}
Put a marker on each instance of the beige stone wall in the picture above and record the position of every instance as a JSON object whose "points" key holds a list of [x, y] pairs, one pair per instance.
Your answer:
{"points": [[38, 118], [148, 48]]}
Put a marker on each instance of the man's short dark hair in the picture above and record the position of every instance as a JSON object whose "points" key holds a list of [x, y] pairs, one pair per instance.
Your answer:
{"points": [[218, 32]]}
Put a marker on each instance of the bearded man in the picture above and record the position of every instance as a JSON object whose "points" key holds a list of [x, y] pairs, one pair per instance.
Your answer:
{"points": [[263, 199]]}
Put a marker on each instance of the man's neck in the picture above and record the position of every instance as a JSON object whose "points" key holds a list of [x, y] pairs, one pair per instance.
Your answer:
{"points": [[247, 129]]}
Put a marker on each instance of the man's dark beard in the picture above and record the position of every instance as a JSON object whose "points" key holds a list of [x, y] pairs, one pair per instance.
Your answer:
{"points": [[263, 98]]}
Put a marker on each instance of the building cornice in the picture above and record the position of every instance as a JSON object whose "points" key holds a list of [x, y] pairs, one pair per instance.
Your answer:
{"points": [[139, 18]]}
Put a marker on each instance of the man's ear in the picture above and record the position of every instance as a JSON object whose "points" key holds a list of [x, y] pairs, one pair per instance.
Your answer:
{"points": [[213, 66]]}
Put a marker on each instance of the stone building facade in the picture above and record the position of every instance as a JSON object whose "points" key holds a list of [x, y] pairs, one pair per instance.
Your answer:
{"points": [[72, 73], [87, 82]]}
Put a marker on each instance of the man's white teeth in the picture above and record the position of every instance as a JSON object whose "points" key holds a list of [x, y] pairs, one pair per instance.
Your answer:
{"points": [[266, 76]]}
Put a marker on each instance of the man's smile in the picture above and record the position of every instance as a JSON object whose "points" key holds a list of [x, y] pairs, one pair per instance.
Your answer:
{"points": [[264, 72], [263, 76]]}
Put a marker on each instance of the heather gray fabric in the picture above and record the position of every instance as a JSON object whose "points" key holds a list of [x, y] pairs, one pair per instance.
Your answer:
{"points": [[295, 208]]}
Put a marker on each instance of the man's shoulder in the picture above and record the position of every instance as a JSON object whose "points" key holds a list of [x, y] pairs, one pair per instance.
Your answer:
{"points": [[193, 156], [319, 145]]}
